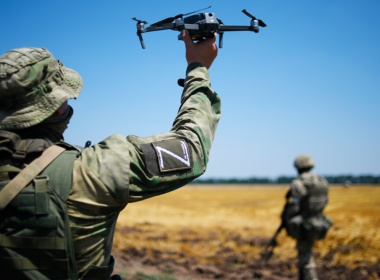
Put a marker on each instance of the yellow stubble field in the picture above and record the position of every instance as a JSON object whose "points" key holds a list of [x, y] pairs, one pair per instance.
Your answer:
{"points": [[217, 216]]}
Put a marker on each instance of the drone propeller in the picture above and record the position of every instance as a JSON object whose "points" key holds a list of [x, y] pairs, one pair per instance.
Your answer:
{"points": [[170, 19], [139, 21], [261, 23]]}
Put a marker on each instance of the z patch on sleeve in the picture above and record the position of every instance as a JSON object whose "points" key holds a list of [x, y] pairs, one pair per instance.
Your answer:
{"points": [[172, 155], [167, 156]]}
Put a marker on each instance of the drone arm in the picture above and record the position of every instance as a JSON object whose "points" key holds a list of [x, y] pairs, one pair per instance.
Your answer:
{"points": [[170, 26], [167, 26], [224, 28]]}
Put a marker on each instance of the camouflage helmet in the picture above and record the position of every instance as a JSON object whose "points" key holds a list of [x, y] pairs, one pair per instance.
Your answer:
{"points": [[33, 85], [304, 161]]}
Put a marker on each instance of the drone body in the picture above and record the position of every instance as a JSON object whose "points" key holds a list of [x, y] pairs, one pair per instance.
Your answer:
{"points": [[199, 26], [207, 25]]}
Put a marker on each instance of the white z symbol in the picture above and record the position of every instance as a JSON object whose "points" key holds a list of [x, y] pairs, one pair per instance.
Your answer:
{"points": [[186, 160]]}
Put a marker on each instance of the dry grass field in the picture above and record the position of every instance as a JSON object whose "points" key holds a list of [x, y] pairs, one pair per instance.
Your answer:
{"points": [[201, 226]]}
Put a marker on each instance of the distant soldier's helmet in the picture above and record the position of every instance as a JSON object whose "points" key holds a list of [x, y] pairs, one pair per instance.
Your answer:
{"points": [[304, 161], [33, 85]]}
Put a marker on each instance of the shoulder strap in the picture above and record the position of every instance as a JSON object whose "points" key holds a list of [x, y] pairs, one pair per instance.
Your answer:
{"points": [[9, 192], [12, 137]]}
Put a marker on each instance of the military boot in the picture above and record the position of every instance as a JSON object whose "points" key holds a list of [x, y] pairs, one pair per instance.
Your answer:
{"points": [[308, 274]]}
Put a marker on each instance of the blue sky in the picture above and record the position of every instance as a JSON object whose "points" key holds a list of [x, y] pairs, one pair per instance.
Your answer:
{"points": [[307, 83]]}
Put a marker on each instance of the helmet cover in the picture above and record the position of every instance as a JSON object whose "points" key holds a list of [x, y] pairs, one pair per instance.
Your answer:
{"points": [[33, 85], [304, 161]]}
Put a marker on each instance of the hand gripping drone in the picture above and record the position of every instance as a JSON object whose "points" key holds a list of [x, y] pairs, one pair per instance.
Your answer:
{"points": [[199, 26]]}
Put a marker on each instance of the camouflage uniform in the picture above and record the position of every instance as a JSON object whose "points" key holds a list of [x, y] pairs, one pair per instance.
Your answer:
{"points": [[114, 172], [307, 197], [118, 170]]}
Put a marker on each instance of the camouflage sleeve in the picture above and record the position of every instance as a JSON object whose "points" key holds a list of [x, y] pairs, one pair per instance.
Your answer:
{"points": [[294, 195], [297, 190], [324, 180], [122, 169], [119, 169], [195, 125]]}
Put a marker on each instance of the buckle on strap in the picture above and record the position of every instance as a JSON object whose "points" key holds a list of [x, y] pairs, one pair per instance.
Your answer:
{"points": [[21, 152], [19, 155], [41, 179]]}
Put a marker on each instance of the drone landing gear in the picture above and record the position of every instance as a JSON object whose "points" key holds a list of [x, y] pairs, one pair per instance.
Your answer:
{"points": [[221, 40], [141, 40]]}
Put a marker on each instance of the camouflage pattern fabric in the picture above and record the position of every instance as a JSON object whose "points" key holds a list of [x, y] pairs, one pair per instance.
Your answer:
{"points": [[33, 85], [303, 161], [113, 173], [311, 190], [306, 263], [308, 197]]}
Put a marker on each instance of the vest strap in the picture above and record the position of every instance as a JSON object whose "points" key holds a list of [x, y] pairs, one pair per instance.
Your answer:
{"points": [[9, 168], [41, 196], [12, 189], [12, 137], [39, 264], [43, 243]]}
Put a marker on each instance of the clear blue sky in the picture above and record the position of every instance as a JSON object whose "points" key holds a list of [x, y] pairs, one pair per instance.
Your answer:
{"points": [[307, 83]]}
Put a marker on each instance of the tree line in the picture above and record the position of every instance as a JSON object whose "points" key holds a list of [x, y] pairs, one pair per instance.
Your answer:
{"points": [[341, 179]]}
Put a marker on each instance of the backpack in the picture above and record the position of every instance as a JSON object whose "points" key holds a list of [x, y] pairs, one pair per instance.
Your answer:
{"points": [[311, 224], [35, 235]]}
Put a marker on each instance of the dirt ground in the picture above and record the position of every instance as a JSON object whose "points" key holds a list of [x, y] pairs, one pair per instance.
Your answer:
{"points": [[219, 233]]}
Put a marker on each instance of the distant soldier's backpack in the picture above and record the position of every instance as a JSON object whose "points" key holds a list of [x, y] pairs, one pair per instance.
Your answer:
{"points": [[311, 224]]}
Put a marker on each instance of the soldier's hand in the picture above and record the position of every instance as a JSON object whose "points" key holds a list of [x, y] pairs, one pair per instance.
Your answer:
{"points": [[204, 51]]}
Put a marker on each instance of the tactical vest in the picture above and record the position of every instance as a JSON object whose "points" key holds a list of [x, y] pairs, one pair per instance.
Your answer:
{"points": [[310, 223], [317, 195], [35, 235]]}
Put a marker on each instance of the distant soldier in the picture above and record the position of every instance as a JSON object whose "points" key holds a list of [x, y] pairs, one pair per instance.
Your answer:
{"points": [[304, 221]]}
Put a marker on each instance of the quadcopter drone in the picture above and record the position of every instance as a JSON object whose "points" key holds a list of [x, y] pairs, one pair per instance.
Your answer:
{"points": [[199, 26]]}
